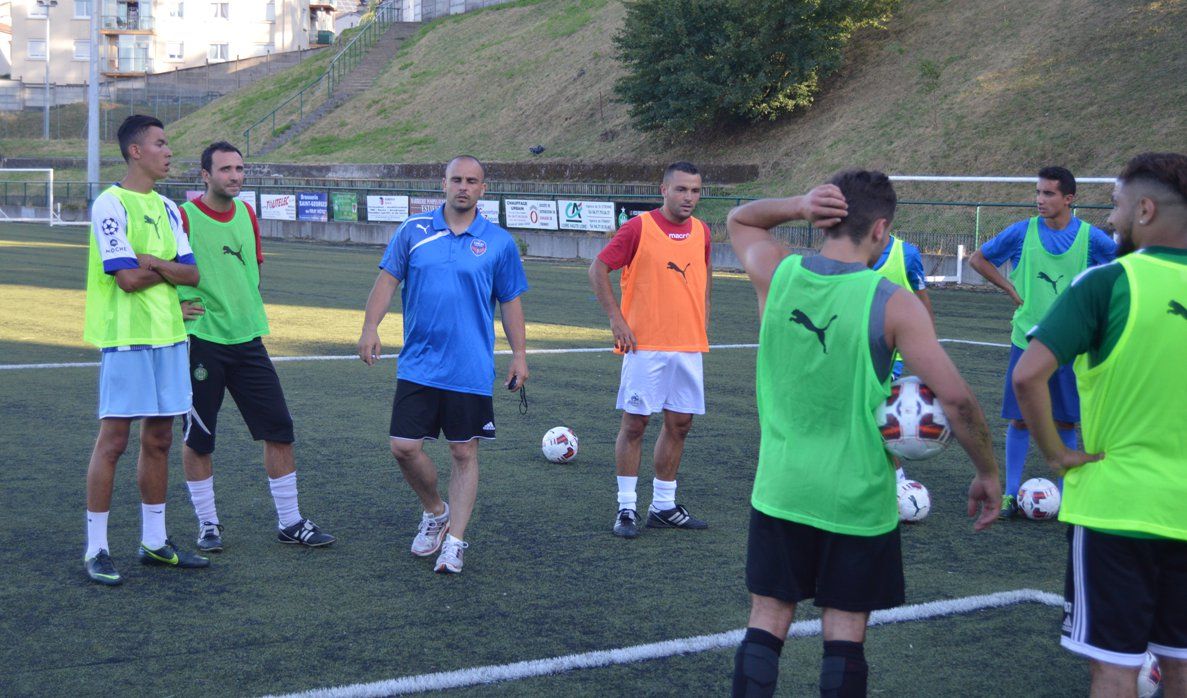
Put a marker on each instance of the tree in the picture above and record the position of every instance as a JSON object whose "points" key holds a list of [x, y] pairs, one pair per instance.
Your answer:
{"points": [[701, 63]]}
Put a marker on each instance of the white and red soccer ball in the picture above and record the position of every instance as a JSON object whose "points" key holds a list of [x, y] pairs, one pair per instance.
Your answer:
{"points": [[912, 420], [914, 502], [1150, 677], [559, 445], [1038, 499]]}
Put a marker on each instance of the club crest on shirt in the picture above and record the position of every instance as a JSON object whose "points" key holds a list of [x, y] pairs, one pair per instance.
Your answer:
{"points": [[478, 247]]}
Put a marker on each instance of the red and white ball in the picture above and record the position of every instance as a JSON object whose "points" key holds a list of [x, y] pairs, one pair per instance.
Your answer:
{"points": [[1149, 678], [1038, 499], [914, 502], [912, 420], [559, 445]]}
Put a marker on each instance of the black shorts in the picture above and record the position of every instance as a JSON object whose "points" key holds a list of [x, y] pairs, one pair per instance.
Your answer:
{"points": [[247, 373], [423, 412], [791, 562], [1123, 596]]}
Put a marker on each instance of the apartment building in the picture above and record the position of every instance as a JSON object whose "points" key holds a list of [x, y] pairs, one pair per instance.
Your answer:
{"points": [[140, 37]]}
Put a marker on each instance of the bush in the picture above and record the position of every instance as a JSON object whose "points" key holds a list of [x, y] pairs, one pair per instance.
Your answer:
{"points": [[702, 63]]}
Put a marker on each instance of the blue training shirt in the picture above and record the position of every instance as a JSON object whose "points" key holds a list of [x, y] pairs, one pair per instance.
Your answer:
{"points": [[1008, 243], [449, 285], [913, 260]]}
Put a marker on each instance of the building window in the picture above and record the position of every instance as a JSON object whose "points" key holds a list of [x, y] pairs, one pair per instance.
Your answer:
{"points": [[175, 50], [37, 11], [82, 9], [177, 9], [219, 52], [270, 11], [82, 50], [220, 10], [36, 50]]}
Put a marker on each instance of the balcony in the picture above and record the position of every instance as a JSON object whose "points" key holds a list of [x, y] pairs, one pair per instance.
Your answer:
{"points": [[127, 66], [130, 24], [327, 5]]}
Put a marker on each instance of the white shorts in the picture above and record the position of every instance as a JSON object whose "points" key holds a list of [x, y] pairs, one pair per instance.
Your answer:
{"points": [[152, 382], [652, 381]]}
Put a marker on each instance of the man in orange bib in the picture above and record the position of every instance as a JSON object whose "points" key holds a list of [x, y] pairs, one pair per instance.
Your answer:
{"points": [[661, 331]]}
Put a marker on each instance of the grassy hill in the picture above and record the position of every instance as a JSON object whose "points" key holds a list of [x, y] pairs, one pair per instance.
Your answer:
{"points": [[953, 86]]}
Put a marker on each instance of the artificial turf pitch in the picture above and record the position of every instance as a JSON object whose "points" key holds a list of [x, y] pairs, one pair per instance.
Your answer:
{"points": [[544, 577]]}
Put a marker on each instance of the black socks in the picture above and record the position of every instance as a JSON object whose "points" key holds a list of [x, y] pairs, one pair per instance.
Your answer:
{"points": [[844, 672], [756, 664]]}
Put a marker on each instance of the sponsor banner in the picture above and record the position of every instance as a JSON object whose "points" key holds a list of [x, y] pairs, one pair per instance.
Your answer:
{"points": [[278, 207], [626, 210], [312, 206], [489, 210], [423, 204], [531, 213], [586, 215], [387, 208], [346, 206], [248, 197]]}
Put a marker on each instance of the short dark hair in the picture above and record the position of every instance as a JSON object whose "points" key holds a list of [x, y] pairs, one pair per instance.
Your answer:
{"points": [[1067, 182], [464, 156], [216, 147], [1167, 170], [870, 196], [680, 166], [132, 130]]}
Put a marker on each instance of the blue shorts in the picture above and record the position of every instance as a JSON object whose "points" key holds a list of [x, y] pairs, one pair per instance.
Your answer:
{"points": [[1065, 399], [145, 382], [896, 371]]}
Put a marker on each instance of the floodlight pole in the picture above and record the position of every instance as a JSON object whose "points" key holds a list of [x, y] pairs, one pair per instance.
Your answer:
{"points": [[93, 107], [47, 4]]}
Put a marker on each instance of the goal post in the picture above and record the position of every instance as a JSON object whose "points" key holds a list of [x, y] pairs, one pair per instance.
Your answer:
{"points": [[27, 195], [949, 216]]}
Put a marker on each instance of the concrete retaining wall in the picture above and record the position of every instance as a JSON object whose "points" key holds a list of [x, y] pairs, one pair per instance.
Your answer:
{"points": [[550, 245]]}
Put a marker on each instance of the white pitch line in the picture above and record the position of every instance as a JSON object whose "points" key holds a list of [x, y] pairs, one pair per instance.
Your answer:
{"points": [[501, 352], [658, 650]]}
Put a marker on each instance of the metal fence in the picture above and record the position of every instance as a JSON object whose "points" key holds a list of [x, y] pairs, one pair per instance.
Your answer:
{"points": [[936, 227], [424, 10]]}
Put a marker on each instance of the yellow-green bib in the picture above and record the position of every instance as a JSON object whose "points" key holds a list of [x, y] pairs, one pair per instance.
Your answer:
{"points": [[1041, 276], [1132, 407], [150, 316], [895, 271]]}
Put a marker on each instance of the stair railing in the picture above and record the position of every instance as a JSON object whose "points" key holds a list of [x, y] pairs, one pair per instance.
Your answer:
{"points": [[292, 110]]}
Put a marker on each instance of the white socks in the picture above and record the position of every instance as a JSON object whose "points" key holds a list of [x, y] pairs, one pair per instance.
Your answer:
{"points": [[626, 492], [663, 494], [202, 496], [152, 525], [284, 495], [96, 533]]}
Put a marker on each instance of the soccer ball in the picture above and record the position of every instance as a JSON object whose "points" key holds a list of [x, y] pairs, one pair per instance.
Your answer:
{"points": [[914, 503], [1039, 499], [1149, 678], [912, 420], [559, 445]]}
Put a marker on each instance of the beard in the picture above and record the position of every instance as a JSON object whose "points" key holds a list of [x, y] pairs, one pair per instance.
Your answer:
{"points": [[1125, 246]]}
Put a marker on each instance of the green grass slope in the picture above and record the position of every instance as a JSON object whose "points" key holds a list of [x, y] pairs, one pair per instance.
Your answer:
{"points": [[953, 86]]}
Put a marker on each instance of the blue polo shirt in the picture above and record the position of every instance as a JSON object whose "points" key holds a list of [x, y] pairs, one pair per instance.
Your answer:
{"points": [[449, 285], [1008, 243], [913, 260]]}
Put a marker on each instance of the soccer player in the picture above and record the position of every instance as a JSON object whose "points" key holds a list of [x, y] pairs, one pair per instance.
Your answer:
{"points": [[225, 320], [1046, 252], [661, 331], [1125, 326], [453, 265], [824, 517], [138, 255], [902, 263]]}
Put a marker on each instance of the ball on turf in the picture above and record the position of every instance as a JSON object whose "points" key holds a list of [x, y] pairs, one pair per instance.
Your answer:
{"points": [[1150, 677], [912, 420], [1038, 498], [559, 445], [914, 502]]}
